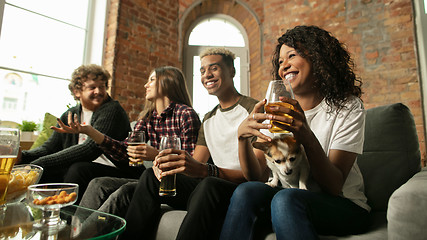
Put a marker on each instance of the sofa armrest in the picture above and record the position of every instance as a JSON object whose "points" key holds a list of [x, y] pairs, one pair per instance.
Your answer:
{"points": [[406, 215], [170, 222]]}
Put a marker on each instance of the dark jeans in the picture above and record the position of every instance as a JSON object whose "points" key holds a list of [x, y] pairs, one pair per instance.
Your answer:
{"points": [[206, 202], [53, 174], [293, 213], [109, 194], [83, 172]]}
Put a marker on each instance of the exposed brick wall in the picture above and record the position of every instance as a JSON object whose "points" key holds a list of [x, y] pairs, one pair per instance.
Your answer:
{"points": [[378, 33], [145, 37]]}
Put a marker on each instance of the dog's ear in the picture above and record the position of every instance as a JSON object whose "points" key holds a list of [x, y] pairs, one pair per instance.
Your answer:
{"points": [[289, 139], [263, 146]]}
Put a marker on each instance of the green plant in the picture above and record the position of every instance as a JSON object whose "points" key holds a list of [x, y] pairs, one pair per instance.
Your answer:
{"points": [[28, 126]]}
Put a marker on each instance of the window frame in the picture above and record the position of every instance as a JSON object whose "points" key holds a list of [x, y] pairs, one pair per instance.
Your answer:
{"points": [[93, 52], [421, 38], [95, 39]]}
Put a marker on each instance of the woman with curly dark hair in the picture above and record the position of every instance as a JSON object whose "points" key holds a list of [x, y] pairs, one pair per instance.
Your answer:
{"points": [[328, 120], [332, 65]]}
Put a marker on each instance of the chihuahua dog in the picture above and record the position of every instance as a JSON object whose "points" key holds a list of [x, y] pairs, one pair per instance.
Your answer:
{"points": [[287, 160]]}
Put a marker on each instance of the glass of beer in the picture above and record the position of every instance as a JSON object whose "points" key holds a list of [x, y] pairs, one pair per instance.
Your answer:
{"points": [[136, 138], [168, 183], [276, 89], [9, 149]]}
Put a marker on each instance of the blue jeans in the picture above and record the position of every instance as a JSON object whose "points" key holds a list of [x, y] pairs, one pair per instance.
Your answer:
{"points": [[292, 213]]}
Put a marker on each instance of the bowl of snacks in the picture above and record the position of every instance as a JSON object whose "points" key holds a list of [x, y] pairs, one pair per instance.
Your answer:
{"points": [[50, 198], [23, 176]]}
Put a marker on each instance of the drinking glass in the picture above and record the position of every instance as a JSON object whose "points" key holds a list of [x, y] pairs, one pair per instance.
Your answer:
{"points": [[136, 138], [9, 149], [168, 183], [277, 89]]}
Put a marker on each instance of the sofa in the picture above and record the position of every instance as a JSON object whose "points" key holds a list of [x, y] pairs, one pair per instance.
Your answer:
{"points": [[394, 185]]}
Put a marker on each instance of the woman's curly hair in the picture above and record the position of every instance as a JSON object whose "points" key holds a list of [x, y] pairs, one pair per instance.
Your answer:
{"points": [[331, 63]]}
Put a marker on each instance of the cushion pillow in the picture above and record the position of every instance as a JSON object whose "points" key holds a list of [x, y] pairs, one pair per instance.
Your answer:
{"points": [[391, 152], [404, 214], [49, 120]]}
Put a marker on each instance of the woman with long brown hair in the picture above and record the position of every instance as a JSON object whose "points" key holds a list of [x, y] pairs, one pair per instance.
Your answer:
{"points": [[167, 111]]}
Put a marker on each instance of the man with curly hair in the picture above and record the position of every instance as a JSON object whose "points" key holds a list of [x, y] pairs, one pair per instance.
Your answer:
{"points": [[88, 85]]}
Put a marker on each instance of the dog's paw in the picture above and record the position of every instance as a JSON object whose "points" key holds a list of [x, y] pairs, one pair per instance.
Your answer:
{"points": [[271, 184]]}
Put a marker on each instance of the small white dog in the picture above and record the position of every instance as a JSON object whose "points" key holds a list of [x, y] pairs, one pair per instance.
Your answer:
{"points": [[287, 160]]}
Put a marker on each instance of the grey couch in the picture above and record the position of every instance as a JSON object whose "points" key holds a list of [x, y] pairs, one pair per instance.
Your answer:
{"points": [[390, 158]]}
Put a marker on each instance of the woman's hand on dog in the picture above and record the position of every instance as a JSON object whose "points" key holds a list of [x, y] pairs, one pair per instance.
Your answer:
{"points": [[251, 126], [173, 161]]}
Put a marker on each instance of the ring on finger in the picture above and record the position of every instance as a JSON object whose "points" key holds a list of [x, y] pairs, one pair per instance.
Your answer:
{"points": [[253, 116]]}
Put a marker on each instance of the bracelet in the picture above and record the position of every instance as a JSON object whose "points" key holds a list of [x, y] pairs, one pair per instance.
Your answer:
{"points": [[212, 170]]}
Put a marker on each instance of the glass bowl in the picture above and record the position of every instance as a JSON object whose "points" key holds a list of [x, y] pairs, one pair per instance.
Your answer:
{"points": [[23, 176], [50, 198]]}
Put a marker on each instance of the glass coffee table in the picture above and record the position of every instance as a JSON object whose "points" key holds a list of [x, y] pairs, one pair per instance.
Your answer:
{"points": [[82, 223]]}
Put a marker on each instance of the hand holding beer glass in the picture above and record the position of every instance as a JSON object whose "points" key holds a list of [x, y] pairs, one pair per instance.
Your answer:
{"points": [[168, 183], [136, 138], [9, 149], [277, 89]]}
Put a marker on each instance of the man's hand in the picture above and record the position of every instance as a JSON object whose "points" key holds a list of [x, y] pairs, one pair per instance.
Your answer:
{"points": [[74, 125], [172, 161]]}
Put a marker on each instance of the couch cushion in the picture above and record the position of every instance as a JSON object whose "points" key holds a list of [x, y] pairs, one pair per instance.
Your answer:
{"points": [[377, 230], [9, 124], [405, 214], [391, 153]]}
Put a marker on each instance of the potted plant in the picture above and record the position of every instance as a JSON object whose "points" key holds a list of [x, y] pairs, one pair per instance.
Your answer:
{"points": [[27, 130]]}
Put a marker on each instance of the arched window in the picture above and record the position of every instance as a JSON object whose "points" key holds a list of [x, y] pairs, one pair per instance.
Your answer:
{"points": [[216, 31], [220, 31]]}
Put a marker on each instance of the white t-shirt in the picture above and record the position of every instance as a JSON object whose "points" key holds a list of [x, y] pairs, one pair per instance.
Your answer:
{"points": [[341, 131], [219, 132], [85, 119]]}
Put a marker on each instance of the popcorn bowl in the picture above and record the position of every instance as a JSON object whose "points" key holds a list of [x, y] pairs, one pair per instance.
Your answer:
{"points": [[22, 176]]}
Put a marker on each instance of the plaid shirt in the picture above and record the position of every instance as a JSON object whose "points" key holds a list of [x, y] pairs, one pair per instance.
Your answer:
{"points": [[177, 119]]}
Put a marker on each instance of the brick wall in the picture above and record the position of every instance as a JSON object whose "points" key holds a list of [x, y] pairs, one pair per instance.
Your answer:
{"points": [[378, 33], [141, 36]]}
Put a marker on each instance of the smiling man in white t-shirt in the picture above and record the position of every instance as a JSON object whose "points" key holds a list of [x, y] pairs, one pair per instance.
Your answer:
{"points": [[206, 180]]}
